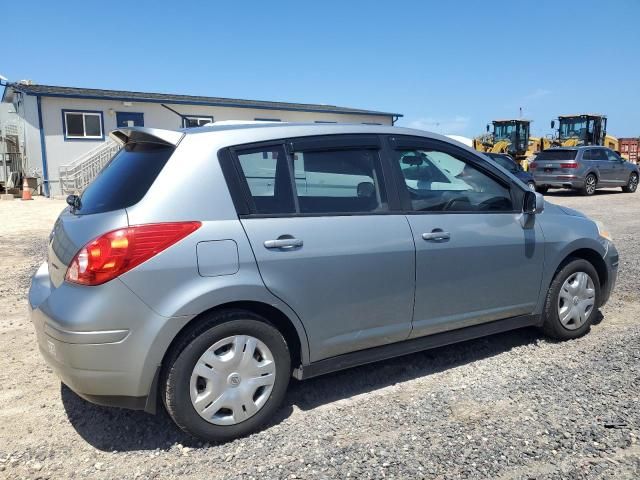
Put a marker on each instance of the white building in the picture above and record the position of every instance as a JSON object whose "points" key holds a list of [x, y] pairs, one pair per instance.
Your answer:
{"points": [[65, 127]]}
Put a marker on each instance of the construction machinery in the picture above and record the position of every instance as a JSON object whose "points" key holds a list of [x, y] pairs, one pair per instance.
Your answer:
{"points": [[508, 136], [582, 129]]}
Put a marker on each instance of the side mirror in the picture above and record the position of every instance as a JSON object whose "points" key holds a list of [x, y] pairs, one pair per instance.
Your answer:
{"points": [[553, 124], [533, 203]]}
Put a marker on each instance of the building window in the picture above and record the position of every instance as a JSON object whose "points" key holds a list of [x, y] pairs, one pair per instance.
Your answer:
{"points": [[267, 120], [82, 125], [324, 121], [191, 121], [371, 123]]}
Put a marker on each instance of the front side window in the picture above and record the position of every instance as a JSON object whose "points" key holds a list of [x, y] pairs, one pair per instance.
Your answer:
{"points": [[438, 181], [191, 121], [611, 155], [82, 125]]}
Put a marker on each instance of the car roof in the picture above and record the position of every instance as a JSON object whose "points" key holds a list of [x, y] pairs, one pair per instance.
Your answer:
{"points": [[577, 147], [264, 131]]}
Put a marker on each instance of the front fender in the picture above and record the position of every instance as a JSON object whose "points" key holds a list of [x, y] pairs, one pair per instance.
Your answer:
{"points": [[565, 234]]}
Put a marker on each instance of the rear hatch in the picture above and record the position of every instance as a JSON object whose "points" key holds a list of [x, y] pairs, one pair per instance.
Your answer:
{"points": [[550, 163], [102, 206]]}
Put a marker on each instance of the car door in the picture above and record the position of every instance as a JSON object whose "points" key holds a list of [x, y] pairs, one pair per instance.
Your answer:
{"points": [[606, 170], [619, 174], [333, 250], [475, 261]]}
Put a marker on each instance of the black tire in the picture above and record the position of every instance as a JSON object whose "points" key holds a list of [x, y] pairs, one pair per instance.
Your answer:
{"points": [[552, 326], [590, 185], [632, 184], [189, 348], [542, 190]]}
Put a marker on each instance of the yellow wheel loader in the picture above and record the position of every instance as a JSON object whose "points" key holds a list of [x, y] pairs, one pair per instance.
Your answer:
{"points": [[508, 136], [583, 129]]}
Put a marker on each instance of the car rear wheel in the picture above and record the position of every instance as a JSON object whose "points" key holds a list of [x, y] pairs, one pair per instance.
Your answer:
{"points": [[226, 377], [532, 186], [590, 184], [632, 184], [572, 300]]}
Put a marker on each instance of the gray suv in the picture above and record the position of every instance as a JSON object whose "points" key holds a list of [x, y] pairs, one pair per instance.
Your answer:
{"points": [[203, 268], [583, 168]]}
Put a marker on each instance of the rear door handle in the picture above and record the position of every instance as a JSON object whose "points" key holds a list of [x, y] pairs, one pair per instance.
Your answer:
{"points": [[436, 236], [283, 243]]}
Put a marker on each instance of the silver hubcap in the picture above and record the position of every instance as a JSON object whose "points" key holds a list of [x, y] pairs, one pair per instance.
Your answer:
{"points": [[576, 300], [532, 186], [591, 184], [633, 183], [232, 380]]}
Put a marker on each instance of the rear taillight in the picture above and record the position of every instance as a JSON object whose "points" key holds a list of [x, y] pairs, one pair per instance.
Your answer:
{"points": [[533, 166], [569, 165], [118, 251]]}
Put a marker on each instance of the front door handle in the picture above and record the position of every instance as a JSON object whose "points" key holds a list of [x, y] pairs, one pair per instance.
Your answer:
{"points": [[283, 243], [436, 235]]}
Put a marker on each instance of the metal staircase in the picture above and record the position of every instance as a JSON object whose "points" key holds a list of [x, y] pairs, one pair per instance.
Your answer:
{"points": [[75, 176]]}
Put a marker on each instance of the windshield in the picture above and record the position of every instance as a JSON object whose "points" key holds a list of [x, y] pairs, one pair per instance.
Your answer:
{"points": [[504, 131], [573, 128]]}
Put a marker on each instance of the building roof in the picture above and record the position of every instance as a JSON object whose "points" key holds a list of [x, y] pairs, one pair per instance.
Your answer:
{"points": [[124, 95]]}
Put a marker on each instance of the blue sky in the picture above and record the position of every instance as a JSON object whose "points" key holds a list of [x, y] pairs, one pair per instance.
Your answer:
{"points": [[447, 66]]}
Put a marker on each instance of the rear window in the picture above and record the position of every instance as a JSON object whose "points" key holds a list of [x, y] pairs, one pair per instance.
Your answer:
{"points": [[126, 178], [505, 163], [550, 155]]}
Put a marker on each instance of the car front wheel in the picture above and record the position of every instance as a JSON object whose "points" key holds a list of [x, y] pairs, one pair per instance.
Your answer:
{"points": [[632, 184], [227, 376], [572, 300]]}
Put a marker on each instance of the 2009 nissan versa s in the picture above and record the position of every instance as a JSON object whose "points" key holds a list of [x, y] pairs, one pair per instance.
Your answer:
{"points": [[203, 268]]}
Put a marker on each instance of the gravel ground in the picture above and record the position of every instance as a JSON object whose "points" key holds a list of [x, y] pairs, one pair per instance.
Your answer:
{"points": [[512, 406]]}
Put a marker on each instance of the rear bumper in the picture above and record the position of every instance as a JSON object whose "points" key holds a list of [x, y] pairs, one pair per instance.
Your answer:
{"points": [[103, 342], [559, 181]]}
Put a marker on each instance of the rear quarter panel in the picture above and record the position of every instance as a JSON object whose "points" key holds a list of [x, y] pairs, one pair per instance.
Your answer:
{"points": [[191, 187]]}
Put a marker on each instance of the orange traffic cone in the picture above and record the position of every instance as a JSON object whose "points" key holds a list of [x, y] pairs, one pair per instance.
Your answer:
{"points": [[26, 191]]}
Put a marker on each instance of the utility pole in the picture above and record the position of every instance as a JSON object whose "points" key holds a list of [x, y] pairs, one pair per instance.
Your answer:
{"points": [[3, 149]]}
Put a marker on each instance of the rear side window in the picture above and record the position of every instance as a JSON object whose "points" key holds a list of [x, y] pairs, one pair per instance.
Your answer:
{"points": [[551, 155], [266, 172], [126, 178], [313, 182], [339, 181]]}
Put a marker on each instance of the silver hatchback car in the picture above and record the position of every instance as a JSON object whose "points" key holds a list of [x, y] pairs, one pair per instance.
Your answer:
{"points": [[203, 268], [584, 168]]}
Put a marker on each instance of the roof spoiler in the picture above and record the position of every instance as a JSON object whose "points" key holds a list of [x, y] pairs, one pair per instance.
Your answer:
{"points": [[149, 135]]}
